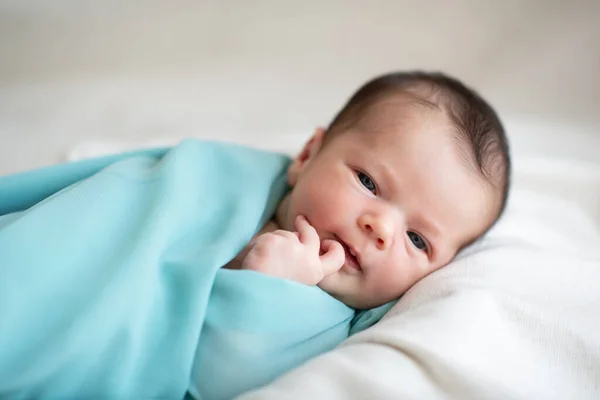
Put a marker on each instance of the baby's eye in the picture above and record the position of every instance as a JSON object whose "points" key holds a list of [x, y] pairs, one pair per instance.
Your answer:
{"points": [[367, 182], [417, 241]]}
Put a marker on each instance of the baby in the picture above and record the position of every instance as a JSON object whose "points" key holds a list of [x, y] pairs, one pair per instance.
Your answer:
{"points": [[414, 168], [111, 281]]}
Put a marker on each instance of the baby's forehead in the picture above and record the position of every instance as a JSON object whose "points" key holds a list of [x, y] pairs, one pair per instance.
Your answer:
{"points": [[406, 115], [404, 111], [403, 119], [396, 107]]}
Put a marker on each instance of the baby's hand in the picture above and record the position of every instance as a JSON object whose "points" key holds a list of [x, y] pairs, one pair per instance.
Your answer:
{"points": [[295, 255]]}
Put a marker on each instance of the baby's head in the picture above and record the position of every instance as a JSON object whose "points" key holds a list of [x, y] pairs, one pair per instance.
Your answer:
{"points": [[412, 169]]}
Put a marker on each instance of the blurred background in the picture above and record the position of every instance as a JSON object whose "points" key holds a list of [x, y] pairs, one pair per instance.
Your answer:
{"points": [[74, 70]]}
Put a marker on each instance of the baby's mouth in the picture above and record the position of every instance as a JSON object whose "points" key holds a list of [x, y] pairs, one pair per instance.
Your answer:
{"points": [[351, 257]]}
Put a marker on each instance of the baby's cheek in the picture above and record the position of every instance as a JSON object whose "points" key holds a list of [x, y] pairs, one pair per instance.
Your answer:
{"points": [[325, 203], [394, 282], [396, 274]]}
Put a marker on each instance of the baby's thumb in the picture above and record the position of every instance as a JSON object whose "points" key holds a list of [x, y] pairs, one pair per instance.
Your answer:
{"points": [[333, 256]]}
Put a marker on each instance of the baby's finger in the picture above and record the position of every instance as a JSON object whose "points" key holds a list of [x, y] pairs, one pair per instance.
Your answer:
{"points": [[308, 234], [286, 234], [333, 257]]}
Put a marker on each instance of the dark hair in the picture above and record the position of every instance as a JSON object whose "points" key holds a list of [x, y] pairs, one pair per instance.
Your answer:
{"points": [[476, 123]]}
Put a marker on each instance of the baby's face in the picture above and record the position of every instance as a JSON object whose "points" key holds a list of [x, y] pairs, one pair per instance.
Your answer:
{"points": [[397, 195]]}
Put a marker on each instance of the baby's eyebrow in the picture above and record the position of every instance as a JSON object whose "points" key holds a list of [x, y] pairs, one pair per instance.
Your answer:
{"points": [[431, 227]]}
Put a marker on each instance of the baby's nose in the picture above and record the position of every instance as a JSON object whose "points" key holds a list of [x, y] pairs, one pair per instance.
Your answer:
{"points": [[379, 228]]}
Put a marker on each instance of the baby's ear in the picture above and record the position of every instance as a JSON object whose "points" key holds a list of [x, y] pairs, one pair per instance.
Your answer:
{"points": [[309, 151]]}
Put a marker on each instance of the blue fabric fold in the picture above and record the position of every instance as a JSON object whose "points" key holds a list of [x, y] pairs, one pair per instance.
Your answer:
{"points": [[111, 283]]}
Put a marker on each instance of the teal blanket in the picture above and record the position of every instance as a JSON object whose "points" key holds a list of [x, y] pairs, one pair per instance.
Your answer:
{"points": [[111, 283]]}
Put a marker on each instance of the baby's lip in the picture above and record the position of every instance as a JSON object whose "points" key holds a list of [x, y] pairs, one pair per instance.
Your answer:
{"points": [[352, 256]]}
